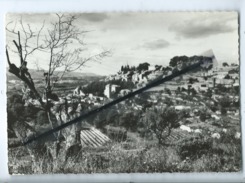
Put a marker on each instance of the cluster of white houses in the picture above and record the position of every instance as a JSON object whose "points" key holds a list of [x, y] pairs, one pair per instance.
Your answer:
{"points": [[203, 80], [111, 89]]}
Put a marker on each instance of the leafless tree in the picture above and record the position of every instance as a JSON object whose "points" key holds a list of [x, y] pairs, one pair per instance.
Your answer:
{"points": [[63, 34], [58, 42], [25, 37]]}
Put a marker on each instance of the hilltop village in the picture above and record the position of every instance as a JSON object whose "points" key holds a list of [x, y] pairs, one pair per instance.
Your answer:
{"points": [[220, 78], [201, 88]]}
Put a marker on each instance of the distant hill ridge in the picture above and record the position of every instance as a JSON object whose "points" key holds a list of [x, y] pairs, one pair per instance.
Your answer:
{"points": [[37, 74]]}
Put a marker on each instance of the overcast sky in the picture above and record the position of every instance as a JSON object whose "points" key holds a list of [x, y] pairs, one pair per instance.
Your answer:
{"points": [[134, 38]]}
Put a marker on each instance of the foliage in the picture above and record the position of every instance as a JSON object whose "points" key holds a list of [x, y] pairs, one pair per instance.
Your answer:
{"points": [[143, 67], [236, 90], [214, 107], [185, 113], [112, 116], [129, 121], [15, 106], [209, 93], [227, 77], [194, 154], [225, 64], [175, 70], [123, 84], [96, 88], [127, 68], [142, 99], [161, 121], [15, 98], [105, 117], [177, 60], [204, 115], [194, 147], [234, 71], [168, 101], [222, 89], [158, 67], [225, 102], [118, 134], [181, 62], [168, 91], [193, 91], [193, 80], [223, 110]]}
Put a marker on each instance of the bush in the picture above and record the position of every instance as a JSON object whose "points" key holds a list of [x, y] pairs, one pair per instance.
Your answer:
{"points": [[15, 98], [116, 134], [95, 87], [129, 121], [194, 147], [30, 111], [225, 102], [214, 108], [223, 111], [204, 115]]}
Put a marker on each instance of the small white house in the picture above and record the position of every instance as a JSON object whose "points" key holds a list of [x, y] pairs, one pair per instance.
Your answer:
{"points": [[181, 107], [238, 135], [215, 135], [185, 128], [198, 131], [215, 117]]}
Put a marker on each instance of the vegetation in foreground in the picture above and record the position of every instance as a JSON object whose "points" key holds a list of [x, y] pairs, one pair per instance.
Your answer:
{"points": [[198, 154]]}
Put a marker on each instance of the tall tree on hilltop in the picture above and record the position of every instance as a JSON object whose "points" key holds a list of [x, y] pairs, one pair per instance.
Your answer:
{"points": [[225, 64], [143, 67]]}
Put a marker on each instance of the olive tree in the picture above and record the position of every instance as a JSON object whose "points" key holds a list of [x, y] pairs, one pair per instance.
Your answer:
{"points": [[161, 121]]}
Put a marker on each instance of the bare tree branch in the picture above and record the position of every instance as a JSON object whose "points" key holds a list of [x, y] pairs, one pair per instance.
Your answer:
{"points": [[56, 41], [13, 30]]}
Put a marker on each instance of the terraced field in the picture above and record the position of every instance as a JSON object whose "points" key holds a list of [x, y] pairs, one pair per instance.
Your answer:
{"points": [[92, 137], [178, 135]]}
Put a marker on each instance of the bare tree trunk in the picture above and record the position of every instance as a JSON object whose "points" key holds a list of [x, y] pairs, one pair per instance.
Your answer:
{"points": [[25, 77]]}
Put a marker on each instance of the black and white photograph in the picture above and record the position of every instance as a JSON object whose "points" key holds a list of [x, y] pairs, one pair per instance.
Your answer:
{"points": [[129, 92]]}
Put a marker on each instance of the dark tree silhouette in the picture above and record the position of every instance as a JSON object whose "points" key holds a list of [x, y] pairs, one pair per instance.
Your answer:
{"points": [[143, 67], [225, 64]]}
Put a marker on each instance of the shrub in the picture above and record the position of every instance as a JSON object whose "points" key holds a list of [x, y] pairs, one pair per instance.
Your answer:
{"points": [[194, 147], [30, 111], [116, 134], [15, 98], [223, 111], [204, 115]]}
